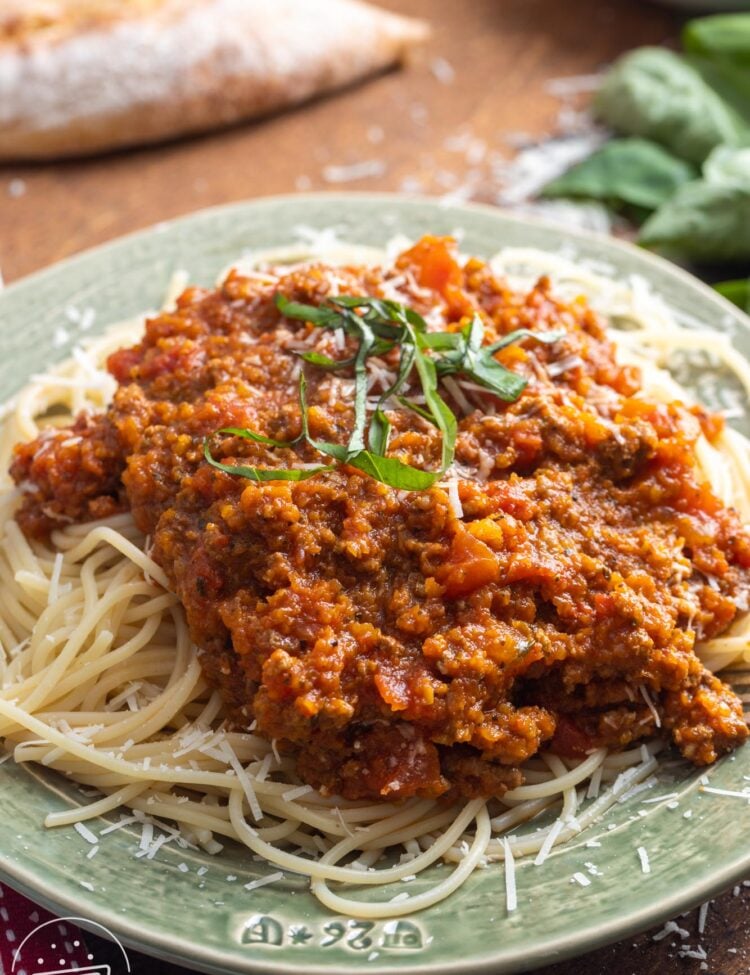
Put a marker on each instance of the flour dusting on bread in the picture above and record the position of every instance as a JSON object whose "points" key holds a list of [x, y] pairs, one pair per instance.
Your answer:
{"points": [[79, 76]]}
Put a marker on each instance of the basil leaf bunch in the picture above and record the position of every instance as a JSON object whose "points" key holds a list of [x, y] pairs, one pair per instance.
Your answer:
{"points": [[707, 219], [718, 48], [682, 165], [634, 171], [724, 38], [378, 327], [656, 94]]}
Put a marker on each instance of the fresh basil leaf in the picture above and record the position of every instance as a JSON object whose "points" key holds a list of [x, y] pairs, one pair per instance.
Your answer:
{"points": [[731, 82], [477, 361], [302, 396], [441, 341], [263, 473], [737, 292], [317, 315], [379, 347], [256, 437], [382, 346], [380, 426], [325, 362], [728, 167], [474, 335], [388, 470], [655, 94], [359, 301], [391, 471], [703, 222], [444, 418], [382, 307], [707, 220], [380, 432], [723, 37], [631, 171], [379, 326], [416, 408], [416, 321], [506, 385], [366, 340], [546, 338]]}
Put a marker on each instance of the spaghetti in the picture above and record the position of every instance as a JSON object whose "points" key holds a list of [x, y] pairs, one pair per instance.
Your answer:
{"points": [[102, 683]]}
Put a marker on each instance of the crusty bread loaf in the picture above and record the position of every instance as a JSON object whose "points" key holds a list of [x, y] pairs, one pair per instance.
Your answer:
{"points": [[82, 76]]}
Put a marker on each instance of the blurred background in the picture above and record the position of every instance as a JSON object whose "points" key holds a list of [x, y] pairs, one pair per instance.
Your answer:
{"points": [[470, 116]]}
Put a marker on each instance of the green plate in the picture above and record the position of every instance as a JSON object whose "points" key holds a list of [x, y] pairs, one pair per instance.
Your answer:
{"points": [[210, 923]]}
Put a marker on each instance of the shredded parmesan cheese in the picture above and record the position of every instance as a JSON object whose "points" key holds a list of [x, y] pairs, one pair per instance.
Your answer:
{"points": [[511, 896]]}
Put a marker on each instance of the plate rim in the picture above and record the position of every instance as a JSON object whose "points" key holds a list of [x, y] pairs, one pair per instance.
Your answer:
{"points": [[211, 963], [400, 199], [160, 943]]}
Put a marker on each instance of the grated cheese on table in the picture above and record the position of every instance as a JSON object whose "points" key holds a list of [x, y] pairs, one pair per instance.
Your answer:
{"points": [[702, 915], [366, 169], [443, 70], [671, 927]]}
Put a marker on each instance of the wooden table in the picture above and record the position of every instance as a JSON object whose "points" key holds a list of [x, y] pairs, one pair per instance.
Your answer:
{"points": [[405, 124], [502, 51]]}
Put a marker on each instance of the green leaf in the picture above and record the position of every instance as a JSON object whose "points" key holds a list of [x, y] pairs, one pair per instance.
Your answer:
{"points": [[382, 346], [416, 408], [361, 301], [388, 470], [379, 326], [546, 338], [380, 306], [441, 341], [731, 82], [704, 221], [380, 432], [655, 94], [443, 417], [631, 171], [394, 472], [477, 361], [256, 437], [388, 319], [357, 438], [380, 426], [486, 371], [317, 315], [737, 292], [728, 167], [708, 219], [723, 37], [324, 361], [263, 473]]}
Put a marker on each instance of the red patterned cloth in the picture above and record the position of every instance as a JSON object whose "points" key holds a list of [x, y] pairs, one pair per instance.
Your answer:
{"points": [[32, 940]]}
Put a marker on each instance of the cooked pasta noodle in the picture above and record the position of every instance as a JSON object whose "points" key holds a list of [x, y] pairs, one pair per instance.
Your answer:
{"points": [[100, 680]]}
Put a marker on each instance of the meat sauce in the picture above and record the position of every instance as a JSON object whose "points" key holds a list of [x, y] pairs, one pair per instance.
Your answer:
{"points": [[429, 642]]}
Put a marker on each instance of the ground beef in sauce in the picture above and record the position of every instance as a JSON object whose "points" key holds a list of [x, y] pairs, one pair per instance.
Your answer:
{"points": [[398, 643]]}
